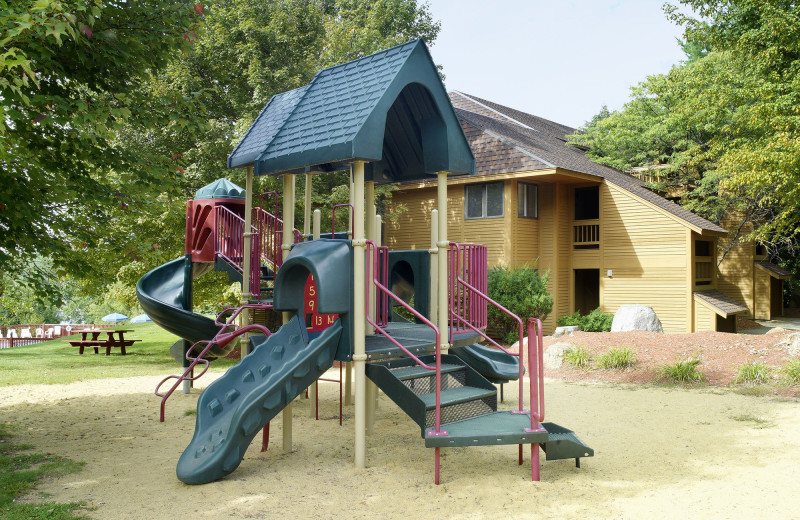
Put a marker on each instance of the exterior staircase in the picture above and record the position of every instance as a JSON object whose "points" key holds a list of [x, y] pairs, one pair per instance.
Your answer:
{"points": [[469, 414]]}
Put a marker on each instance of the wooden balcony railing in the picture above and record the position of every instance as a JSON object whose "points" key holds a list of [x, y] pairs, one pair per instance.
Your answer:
{"points": [[586, 234], [703, 271]]}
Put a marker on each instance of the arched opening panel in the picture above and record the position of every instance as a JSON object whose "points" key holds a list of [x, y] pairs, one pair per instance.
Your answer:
{"points": [[414, 138]]}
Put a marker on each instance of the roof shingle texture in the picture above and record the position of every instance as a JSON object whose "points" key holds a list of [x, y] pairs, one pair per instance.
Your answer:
{"points": [[721, 301], [337, 102], [266, 125], [779, 272], [544, 141]]}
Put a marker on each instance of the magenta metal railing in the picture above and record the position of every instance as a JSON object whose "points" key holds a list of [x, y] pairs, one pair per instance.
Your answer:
{"points": [[222, 338], [373, 274], [468, 262], [333, 217], [459, 301], [229, 243], [536, 390], [270, 229]]}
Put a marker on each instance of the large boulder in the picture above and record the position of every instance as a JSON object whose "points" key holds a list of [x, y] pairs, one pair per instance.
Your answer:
{"points": [[554, 355], [636, 317], [566, 330], [792, 344]]}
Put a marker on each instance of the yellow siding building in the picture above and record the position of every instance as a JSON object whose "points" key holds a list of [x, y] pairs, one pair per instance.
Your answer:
{"points": [[604, 238]]}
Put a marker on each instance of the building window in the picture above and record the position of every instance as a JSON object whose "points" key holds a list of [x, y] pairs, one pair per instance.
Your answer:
{"points": [[483, 200], [587, 203], [527, 200]]}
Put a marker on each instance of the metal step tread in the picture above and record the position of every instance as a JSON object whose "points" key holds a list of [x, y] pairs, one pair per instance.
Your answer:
{"points": [[457, 395], [564, 444], [417, 371], [496, 428]]}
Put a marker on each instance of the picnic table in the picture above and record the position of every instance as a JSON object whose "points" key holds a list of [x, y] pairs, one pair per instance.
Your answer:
{"points": [[93, 338]]}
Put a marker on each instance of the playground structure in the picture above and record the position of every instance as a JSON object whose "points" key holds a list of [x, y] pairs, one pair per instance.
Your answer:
{"points": [[387, 118]]}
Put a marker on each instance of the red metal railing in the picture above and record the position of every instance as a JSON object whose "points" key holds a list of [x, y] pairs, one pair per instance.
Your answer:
{"points": [[229, 243], [373, 274], [333, 217], [222, 338], [464, 298], [468, 262], [270, 229]]}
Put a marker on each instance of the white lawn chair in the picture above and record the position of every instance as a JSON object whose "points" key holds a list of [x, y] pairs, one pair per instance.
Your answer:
{"points": [[48, 333], [12, 333], [25, 333], [57, 331], [39, 332]]}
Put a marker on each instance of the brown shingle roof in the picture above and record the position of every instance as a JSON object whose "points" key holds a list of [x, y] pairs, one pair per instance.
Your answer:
{"points": [[774, 271], [545, 142], [723, 304]]}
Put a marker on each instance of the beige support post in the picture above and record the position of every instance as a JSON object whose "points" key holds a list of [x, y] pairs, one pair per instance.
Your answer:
{"points": [[359, 312], [433, 312], [372, 389], [288, 239], [369, 202], [317, 224], [350, 216], [307, 208], [379, 242], [443, 244], [244, 317]]}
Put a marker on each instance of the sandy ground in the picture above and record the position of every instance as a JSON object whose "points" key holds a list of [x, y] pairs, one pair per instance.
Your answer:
{"points": [[660, 453]]}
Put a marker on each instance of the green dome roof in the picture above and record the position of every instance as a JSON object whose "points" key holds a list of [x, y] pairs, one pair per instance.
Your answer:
{"points": [[220, 189]]}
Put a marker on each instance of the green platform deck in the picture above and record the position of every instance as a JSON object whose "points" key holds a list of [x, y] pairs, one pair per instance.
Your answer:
{"points": [[496, 428]]}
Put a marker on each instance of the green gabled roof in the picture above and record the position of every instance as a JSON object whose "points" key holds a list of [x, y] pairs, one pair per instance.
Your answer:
{"points": [[389, 109], [220, 189]]}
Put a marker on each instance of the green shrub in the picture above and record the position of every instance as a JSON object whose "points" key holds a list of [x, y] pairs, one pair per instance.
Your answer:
{"points": [[569, 320], [578, 358], [791, 372], [523, 291], [617, 358], [595, 321], [753, 373], [682, 371]]}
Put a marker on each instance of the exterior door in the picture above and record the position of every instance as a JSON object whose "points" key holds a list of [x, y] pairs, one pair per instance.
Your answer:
{"points": [[587, 290]]}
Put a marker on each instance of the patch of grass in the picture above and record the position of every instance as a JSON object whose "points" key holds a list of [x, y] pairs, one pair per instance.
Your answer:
{"points": [[758, 422], [56, 361], [622, 357], [754, 390], [191, 411], [19, 473], [791, 372], [752, 373], [578, 357], [682, 371]]}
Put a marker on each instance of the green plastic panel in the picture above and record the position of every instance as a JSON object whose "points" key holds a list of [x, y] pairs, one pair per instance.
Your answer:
{"points": [[220, 189], [235, 407], [389, 109]]}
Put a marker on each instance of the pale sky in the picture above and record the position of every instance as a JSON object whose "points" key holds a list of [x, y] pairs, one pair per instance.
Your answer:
{"points": [[558, 59]]}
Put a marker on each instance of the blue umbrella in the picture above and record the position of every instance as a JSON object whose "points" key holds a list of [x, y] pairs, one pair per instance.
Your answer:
{"points": [[141, 318], [115, 316]]}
